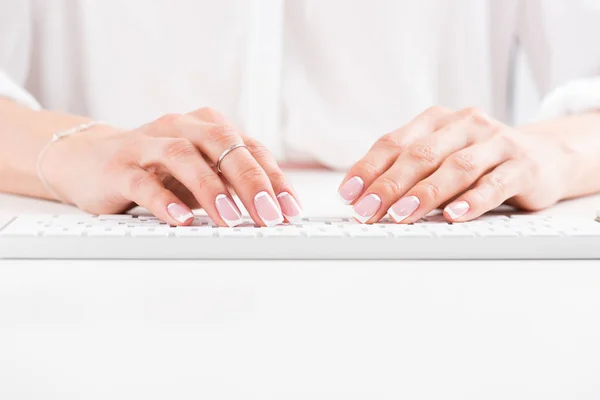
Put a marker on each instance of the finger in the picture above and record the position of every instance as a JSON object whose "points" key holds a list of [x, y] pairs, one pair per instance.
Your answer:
{"points": [[181, 192], [239, 167], [456, 174], [419, 161], [182, 160], [502, 183], [243, 172], [248, 178], [385, 151], [286, 195], [146, 189]]}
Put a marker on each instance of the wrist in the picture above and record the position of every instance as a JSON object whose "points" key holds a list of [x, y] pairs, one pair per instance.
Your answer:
{"points": [[556, 158], [65, 163]]}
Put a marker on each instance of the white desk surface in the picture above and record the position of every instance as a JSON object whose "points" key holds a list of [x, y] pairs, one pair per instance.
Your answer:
{"points": [[299, 329]]}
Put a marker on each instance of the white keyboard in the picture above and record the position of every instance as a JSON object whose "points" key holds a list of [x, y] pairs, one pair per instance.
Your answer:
{"points": [[126, 236]]}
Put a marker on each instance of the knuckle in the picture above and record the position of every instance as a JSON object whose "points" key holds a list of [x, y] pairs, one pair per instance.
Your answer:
{"points": [[207, 110], [277, 179], [140, 183], [250, 174], [508, 141], [477, 117], [168, 119], [498, 183], [463, 162], [206, 181], [178, 149], [423, 153], [477, 198], [436, 111], [366, 167], [391, 185], [208, 114], [470, 112], [390, 141], [430, 190], [220, 134], [258, 150]]}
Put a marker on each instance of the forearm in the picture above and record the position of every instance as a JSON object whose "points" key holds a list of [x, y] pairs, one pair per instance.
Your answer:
{"points": [[23, 134], [578, 138]]}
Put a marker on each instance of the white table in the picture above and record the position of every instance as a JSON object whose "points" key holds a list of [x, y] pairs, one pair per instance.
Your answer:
{"points": [[299, 330]]}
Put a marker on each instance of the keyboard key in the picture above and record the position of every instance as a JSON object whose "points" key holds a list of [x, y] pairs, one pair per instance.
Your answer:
{"points": [[149, 232], [498, 232], [411, 233], [539, 232], [147, 218], [74, 217], [281, 232], [454, 233], [368, 231], [191, 231], [115, 217], [312, 233], [236, 232], [63, 232], [491, 218]]}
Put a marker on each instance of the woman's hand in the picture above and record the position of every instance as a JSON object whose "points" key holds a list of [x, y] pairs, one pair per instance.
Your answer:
{"points": [[464, 158], [167, 166]]}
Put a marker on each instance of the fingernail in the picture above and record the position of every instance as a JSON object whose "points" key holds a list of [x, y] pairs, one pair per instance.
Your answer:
{"points": [[179, 213], [404, 208], [267, 209], [290, 207], [458, 209], [351, 189], [228, 210], [367, 207]]}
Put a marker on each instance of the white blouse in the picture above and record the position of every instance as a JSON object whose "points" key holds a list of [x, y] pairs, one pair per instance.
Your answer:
{"points": [[315, 80]]}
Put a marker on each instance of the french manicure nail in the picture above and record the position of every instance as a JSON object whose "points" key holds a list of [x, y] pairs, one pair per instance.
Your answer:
{"points": [[367, 207], [228, 210], [290, 207], [457, 210], [267, 209], [404, 208], [179, 213], [351, 189]]}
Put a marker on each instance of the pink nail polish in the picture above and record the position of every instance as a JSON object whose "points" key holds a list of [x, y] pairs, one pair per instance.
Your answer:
{"points": [[267, 209], [179, 213], [228, 210], [351, 189], [290, 207], [457, 210], [367, 207], [404, 208]]}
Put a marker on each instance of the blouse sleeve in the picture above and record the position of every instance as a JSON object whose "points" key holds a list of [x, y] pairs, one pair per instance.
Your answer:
{"points": [[560, 39], [15, 47]]}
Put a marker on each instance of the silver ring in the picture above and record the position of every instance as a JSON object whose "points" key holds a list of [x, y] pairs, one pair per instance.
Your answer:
{"points": [[226, 152]]}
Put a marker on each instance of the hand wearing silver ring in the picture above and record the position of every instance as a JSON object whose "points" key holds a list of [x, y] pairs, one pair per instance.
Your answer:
{"points": [[168, 166]]}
